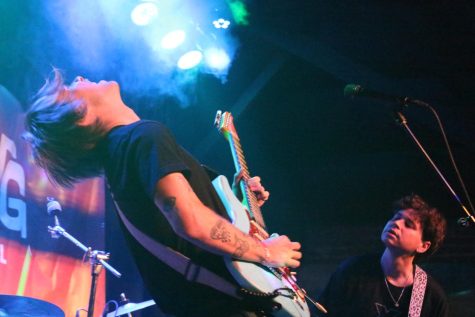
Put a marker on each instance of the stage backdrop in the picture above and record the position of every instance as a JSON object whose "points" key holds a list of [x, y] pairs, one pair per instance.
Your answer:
{"points": [[32, 263]]}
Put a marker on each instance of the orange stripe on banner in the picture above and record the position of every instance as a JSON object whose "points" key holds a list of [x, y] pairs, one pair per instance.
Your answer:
{"points": [[54, 278]]}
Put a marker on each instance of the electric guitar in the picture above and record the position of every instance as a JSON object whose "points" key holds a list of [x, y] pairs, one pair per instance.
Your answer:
{"points": [[247, 217]]}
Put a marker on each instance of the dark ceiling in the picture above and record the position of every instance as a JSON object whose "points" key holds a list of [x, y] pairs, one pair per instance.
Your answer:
{"points": [[351, 151], [285, 89]]}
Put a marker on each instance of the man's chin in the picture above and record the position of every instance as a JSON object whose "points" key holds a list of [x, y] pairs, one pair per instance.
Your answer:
{"points": [[111, 85], [388, 239], [108, 83]]}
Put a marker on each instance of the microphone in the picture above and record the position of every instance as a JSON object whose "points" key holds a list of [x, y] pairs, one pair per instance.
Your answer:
{"points": [[353, 90], [54, 209]]}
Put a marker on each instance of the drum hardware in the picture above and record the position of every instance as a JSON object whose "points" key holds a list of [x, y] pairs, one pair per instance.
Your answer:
{"points": [[96, 258], [19, 306], [127, 308]]}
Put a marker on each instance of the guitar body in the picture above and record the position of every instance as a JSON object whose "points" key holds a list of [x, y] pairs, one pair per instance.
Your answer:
{"points": [[250, 275]]}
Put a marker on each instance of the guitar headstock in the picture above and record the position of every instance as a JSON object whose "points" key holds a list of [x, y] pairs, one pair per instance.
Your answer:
{"points": [[224, 123]]}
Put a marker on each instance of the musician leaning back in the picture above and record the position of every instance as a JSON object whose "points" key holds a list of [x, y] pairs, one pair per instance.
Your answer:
{"points": [[84, 129]]}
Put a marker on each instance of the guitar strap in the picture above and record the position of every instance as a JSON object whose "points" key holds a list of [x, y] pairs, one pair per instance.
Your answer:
{"points": [[418, 291], [179, 262]]}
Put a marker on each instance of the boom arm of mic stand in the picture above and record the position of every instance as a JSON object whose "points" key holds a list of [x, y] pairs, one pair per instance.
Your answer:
{"points": [[403, 122], [97, 262], [58, 230]]}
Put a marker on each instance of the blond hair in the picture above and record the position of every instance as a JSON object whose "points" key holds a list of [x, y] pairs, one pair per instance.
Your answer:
{"points": [[67, 151]]}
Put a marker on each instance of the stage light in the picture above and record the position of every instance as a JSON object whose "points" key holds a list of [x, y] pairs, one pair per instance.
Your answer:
{"points": [[221, 23], [217, 58], [173, 39], [239, 11], [144, 13], [190, 59]]}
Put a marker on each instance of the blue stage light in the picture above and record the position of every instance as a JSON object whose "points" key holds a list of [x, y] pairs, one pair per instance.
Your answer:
{"points": [[217, 58], [144, 13], [173, 39], [190, 59]]}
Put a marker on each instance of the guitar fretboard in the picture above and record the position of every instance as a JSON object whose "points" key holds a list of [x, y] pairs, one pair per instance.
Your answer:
{"points": [[240, 164], [225, 125]]}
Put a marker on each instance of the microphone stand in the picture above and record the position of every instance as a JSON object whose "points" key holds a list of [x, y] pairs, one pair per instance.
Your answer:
{"points": [[401, 119], [97, 259]]}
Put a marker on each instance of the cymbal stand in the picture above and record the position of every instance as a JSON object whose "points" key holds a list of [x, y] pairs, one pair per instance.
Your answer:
{"points": [[96, 258]]}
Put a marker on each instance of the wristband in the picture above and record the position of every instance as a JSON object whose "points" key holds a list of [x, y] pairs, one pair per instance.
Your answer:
{"points": [[266, 254]]}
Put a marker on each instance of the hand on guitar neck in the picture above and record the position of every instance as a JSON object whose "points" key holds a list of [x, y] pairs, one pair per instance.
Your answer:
{"points": [[280, 251], [254, 184]]}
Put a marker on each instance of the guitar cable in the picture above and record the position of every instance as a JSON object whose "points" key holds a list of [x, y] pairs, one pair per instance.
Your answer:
{"points": [[273, 294], [262, 300]]}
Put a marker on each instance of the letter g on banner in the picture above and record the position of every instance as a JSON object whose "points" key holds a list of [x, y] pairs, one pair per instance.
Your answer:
{"points": [[11, 171]]}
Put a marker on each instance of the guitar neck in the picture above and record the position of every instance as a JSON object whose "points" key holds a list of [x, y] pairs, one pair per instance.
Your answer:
{"points": [[249, 198]]}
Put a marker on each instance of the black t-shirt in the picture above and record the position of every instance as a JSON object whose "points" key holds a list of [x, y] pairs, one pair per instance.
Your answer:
{"points": [[357, 289], [136, 156]]}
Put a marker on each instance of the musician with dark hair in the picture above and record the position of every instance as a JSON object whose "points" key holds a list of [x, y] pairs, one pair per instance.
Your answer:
{"points": [[85, 129], [392, 284]]}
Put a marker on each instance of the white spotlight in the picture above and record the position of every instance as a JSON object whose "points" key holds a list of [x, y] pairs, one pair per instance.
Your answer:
{"points": [[217, 58], [190, 59], [144, 13], [173, 39], [221, 23]]}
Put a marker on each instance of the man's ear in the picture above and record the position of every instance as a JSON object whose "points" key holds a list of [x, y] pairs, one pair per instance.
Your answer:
{"points": [[425, 245]]}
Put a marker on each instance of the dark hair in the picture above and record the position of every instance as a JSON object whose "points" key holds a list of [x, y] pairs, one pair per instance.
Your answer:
{"points": [[432, 222], [66, 150]]}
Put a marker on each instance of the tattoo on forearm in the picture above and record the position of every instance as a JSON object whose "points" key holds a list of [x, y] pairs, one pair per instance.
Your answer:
{"points": [[241, 247], [219, 232], [169, 204]]}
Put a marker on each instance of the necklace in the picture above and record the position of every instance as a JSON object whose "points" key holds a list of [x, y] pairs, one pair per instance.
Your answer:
{"points": [[396, 302]]}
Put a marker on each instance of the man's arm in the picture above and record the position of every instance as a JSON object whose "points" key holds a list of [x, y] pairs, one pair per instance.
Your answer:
{"points": [[195, 222]]}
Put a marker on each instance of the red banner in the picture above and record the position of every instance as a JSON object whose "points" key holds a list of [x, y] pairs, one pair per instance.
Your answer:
{"points": [[32, 263]]}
